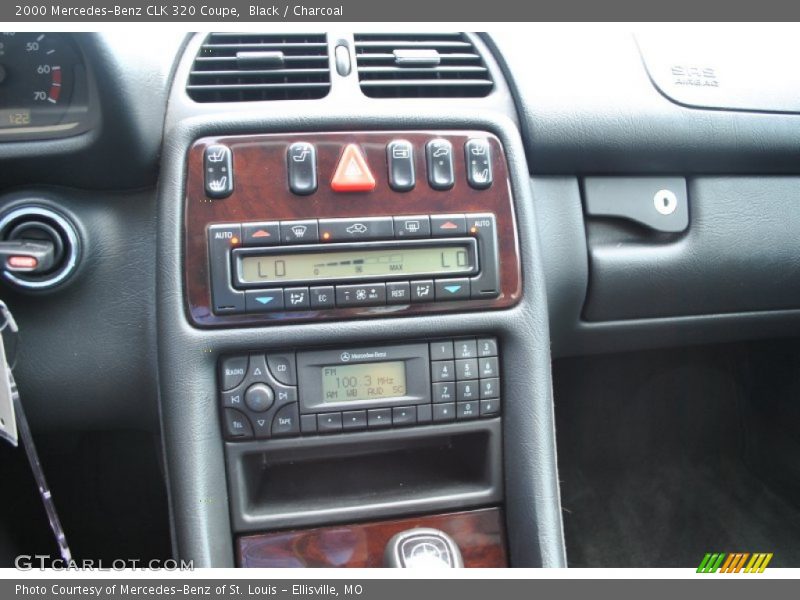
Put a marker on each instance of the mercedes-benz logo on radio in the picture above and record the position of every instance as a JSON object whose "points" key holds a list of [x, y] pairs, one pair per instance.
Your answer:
{"points": [[344, 356]]}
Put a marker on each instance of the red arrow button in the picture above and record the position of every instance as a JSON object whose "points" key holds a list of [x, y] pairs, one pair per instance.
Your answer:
{"points": [[352, 174]]}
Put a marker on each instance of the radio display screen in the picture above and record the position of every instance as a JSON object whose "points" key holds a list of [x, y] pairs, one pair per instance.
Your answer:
{"points": [[338, 265], [367, 381]]}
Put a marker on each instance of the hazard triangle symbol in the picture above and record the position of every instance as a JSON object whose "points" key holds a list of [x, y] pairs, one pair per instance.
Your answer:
{"points": [[352, 174]]}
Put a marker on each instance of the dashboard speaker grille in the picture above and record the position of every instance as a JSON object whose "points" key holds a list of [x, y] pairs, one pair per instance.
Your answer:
{"points": [[437, 65], [242, 67]]}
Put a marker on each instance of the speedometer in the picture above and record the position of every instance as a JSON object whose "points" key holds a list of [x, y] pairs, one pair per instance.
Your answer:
{"points": [[40, 76]]}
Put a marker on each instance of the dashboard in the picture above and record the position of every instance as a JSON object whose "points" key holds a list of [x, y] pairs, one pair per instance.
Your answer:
{"points": [[331, 272]]}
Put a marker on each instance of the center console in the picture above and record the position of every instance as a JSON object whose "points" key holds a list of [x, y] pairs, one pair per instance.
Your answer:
{"points": [[353, 332]]}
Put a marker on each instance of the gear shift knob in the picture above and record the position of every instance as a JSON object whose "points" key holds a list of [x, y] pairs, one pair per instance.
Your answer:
{"points": [[422, 548]]}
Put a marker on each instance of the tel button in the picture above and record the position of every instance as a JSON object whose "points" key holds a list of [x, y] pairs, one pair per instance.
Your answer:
{"points": [[237, 426], [286, 421]]}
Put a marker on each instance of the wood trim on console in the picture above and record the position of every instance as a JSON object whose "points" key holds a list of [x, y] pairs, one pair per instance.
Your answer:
{"points": [[261, 193], [480, 536]]}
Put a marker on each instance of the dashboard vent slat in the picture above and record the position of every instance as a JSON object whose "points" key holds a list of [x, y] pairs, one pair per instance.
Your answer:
{"points": [[243, 67], [445, 65]]}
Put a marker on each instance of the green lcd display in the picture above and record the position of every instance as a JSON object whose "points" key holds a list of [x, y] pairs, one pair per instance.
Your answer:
{"points": [[338, 265], [368, 381]]}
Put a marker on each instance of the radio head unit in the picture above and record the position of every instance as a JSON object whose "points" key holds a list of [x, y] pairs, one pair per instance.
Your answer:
{"points": [[364, 378]]}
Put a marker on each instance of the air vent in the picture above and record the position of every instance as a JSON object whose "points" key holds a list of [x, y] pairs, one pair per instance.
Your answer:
{"points": [[443, 65], [242, 67]]}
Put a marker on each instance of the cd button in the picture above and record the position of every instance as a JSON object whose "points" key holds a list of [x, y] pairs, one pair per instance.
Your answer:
{"points": [[282, 368]]}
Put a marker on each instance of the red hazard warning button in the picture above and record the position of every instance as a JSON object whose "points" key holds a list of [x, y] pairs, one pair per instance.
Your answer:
{"points": [[352, 174]]}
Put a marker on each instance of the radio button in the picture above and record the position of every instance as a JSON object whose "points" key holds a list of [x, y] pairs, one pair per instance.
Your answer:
{"points": [[478, 157], [412, 227], [490, 388], [439, 154], [282, 368], [299, 232], [444, 412], [308, 423], [232, 371], [489, 367], [444, 392], [379, 418], [487, 347], [366, 228], [286, 421], [468, 410], [398, 292], [442, 350], [404, 415], [400, 156], [452, 289], [443, 370], [490, 408], [237, 426], [329, 422], [466, 349], [263, 300], [422, 291], [467, 368], [448, 225], [259, 397], [296, 298], [261, 234], [322, 297], [369, 294], [467, 390], [353, 420], [301, 159]]}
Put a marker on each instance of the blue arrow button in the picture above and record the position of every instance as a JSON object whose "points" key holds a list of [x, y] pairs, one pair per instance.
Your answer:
{"points": [[452, 288], [265, 299]]}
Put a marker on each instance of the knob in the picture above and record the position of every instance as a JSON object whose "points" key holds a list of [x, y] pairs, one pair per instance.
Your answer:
{"points": [[422, 548], [259, 397]]}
